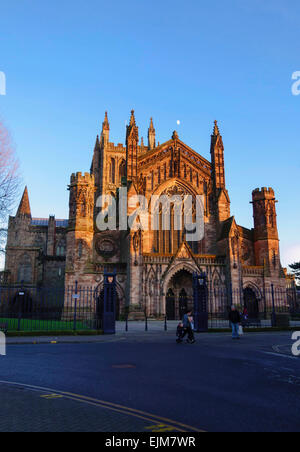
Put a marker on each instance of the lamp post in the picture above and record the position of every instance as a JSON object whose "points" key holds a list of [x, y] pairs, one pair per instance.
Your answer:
{"points": [[200, 302]]}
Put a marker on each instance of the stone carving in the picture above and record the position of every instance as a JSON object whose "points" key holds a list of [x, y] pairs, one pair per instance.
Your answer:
{"points": [[105, 247]]}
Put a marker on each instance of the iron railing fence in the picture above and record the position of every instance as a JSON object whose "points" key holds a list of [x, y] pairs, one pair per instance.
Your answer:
{"points": [[49, 309], [79, 308], [257, 308]]}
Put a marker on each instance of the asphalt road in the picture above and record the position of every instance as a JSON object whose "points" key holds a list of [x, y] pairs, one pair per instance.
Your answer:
{"points": [[215, 385]]}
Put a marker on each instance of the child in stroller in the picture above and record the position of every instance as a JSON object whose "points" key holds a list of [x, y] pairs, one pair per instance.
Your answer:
{"points": [[180, 333]]}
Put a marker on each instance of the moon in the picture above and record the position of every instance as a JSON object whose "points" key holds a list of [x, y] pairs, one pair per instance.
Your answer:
{"points": [[178, 122]]}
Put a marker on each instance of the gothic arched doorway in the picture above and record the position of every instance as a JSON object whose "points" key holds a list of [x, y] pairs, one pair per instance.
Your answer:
{"points": [[179, 294], [170, 305], [251, 303]]}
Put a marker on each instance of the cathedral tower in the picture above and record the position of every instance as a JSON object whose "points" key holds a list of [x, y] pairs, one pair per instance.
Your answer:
{"points": [[81, 226], [266, 241]]}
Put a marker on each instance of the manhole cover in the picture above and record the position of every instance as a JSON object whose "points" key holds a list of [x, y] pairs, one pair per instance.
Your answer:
{"points": [[124, 366]]}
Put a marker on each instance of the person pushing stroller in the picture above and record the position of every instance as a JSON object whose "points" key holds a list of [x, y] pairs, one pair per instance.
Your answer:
{"points": [[186, 328]]}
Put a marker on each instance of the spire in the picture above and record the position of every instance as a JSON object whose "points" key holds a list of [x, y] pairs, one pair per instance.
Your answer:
{"points": [[132, 141], [105, 122], [132, 129], [151, 125], [105, 130], [97, 144], [217, 158], [132, 118], [151, 135], [24, 207], [216, 129]]}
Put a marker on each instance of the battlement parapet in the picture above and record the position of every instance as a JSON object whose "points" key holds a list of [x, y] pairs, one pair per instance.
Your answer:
{"points": [[263, 193], [80, 178]]}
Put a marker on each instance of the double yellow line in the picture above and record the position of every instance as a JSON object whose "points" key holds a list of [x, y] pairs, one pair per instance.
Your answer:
{"points": [[160, 423]]}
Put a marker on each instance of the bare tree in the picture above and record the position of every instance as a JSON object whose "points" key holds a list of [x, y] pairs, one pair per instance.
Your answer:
{"points": [[9, 181]]}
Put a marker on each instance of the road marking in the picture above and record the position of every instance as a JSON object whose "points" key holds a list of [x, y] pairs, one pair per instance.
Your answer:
{"points": [[280, 355], [52, 396], [174, 425], [159, 428]]}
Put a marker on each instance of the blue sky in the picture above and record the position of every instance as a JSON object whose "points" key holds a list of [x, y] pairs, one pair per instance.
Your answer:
{"points": [[66, 62]]}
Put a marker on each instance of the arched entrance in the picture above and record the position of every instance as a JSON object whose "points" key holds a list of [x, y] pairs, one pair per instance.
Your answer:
{"points": [[170, 305], [251, 303], [179, 295]]}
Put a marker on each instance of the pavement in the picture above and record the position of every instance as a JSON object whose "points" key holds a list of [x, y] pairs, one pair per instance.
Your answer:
{"points": [[145, 382]]}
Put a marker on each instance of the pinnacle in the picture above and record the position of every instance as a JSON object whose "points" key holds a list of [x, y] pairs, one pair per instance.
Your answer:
{"points": [[24, 207]]}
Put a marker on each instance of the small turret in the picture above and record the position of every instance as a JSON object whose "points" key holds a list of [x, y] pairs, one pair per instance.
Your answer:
{"points": [[151, 136], [105, 130], [132, 141], [217, 158]]}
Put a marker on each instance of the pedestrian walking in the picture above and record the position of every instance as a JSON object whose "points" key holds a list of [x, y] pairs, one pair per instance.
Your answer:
{"points": [[235, 319], [188, 329]]}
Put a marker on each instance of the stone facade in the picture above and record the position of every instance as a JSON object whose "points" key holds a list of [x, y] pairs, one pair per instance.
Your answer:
{"points": [[36, 249], [154, 268]]}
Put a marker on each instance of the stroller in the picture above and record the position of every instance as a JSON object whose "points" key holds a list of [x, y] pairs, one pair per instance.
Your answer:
{"points": [[180, 333]]}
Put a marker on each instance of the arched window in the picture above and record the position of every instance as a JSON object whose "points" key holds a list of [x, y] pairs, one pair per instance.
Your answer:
{"points": [[61, 248], [113, 171], [169, 241], [122, 170], [25, 269]]}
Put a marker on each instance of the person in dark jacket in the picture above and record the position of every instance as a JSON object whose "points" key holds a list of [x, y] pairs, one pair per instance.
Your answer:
{"points": [[187, 325], [235, 319]]}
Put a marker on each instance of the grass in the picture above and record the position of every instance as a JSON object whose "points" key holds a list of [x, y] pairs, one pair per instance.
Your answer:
{"points": [[42, 325]]}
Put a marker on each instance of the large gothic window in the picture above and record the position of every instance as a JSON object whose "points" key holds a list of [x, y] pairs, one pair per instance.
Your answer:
{"points": [[113, 171], [25, 269], [169, 241]]}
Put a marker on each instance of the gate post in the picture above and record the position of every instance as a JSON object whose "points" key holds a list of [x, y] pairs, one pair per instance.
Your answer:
{"points": [[109, 305], [273, 317], [200, 302]]}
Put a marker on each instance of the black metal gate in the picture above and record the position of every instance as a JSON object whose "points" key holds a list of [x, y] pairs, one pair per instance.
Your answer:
{"points": [[109, 303]]}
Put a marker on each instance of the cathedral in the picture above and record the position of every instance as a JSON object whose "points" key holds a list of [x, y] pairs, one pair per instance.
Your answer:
{"points": [[154, 268]]}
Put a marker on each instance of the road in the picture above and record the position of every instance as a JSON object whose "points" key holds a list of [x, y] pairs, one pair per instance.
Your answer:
{"points": [[146, 382]]}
